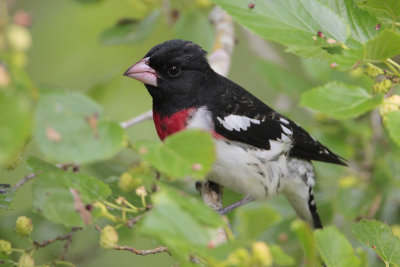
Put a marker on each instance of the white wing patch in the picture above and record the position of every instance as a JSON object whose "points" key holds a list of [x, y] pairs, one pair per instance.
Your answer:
{"points": [[286, 130], [284, 120], [237, 123]]}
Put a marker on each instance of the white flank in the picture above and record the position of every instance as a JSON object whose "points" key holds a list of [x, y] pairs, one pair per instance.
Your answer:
{"points": [[236, 122], [201, 119]]}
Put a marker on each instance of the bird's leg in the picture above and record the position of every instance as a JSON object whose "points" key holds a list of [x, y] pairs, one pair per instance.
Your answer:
{"points": [[227, 209]]}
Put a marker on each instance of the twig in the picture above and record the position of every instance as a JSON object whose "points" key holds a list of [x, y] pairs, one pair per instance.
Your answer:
{"points": [[376, 203], [61, 237], [143, 252], [25, 179], [145, 116], [131, 222]]}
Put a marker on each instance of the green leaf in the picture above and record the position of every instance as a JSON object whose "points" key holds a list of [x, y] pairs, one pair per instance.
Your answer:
{"points": [[340, 100], [334, 248], [181, 222], [362, 25], [280, 257], [15, 123], [187, 153], [392, 123], [70, 127], [378, 236], [305, 236], [196, 27], [253, 220], [282, 79], [289, 22], [52, 196], [6, 196], [387, 11], [385, 45], [130, 31]]}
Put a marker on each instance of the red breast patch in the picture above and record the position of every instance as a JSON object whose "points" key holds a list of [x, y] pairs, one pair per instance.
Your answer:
{"points": [[167, 125]]}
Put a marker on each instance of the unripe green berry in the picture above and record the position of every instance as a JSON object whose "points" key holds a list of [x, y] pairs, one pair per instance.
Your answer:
{"points": [[382, 87], [5, 247], [26, 261], [23, 226], [389, 104], [373, 71], [108, 237]]}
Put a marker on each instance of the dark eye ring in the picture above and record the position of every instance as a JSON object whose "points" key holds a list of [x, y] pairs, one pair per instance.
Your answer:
{"points": [[173, 70]]}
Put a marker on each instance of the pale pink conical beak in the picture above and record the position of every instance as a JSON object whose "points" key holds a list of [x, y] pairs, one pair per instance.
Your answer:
{"points": [[141, 71]]}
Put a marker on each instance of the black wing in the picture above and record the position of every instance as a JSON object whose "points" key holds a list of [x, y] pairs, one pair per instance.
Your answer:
{"points": [[240, 116]]}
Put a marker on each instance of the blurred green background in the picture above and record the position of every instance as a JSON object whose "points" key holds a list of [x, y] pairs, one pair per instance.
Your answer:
{"points": [[66, 52]]}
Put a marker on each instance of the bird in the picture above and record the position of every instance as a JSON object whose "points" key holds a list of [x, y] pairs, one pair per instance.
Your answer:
{"points": [[259, 152]]}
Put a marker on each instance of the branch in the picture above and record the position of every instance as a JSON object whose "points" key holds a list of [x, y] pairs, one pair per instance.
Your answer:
{"points": [[25, 179], [143, 252], [61, 237], [145, 116]]}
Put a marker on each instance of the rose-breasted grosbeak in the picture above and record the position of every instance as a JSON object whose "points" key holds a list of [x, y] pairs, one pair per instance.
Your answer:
{"points": [[260, 153]]}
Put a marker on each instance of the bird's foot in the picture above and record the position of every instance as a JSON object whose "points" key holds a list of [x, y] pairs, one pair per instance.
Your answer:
{"points": [[227, 209]]}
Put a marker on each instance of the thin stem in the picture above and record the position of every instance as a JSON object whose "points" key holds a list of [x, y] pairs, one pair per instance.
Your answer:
{"points": [[394, 63], [111, 205], [395, 72]]}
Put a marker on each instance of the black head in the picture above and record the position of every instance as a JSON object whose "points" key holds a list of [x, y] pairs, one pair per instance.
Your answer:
{"points": [[173, 72]]}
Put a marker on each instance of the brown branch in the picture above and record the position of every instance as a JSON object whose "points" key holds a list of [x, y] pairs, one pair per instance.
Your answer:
{"points": [[143, 252], [58, 238], [25, 179]]}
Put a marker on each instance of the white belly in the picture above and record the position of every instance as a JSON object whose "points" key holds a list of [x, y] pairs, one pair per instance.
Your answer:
{"points": [[246, 170]]}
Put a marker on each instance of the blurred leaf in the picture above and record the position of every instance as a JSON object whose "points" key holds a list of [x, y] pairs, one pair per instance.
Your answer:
{"points": [[383, 46], [6, 261], [188, 28], [387, 11], [181, 222], [334, 248], [392, 123], [104, 92], [282, 79], [378, 236], [130, 31], [280, 257], [15, 123], [340, 100], [89, 1], [307, 241], [289, 22], [349, 58], [52, 197], [362, 25], [252, 220], [70, 127], [187, 153], [353, 197], [6, 196]]}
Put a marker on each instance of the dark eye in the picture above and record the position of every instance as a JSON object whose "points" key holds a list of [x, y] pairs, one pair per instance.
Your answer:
{"points": [[173, 70]]}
